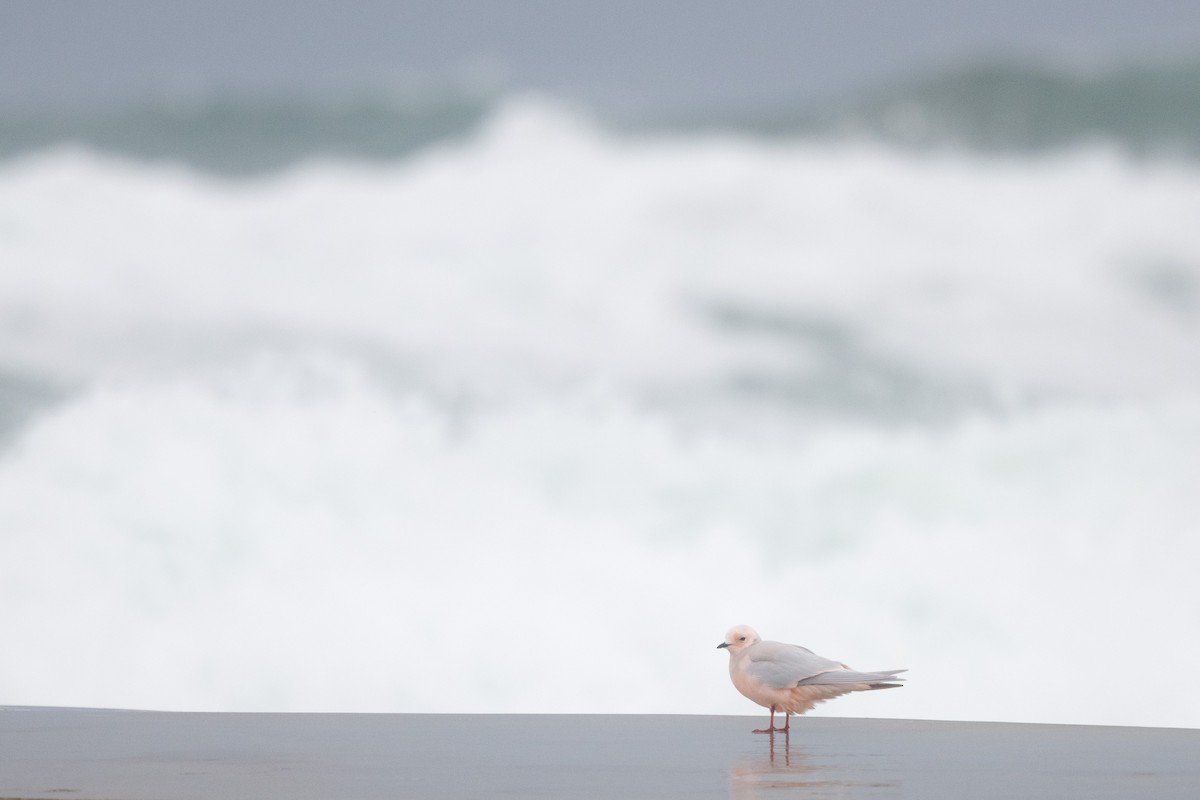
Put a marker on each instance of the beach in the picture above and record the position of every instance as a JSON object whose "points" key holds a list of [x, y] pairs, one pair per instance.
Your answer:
{"points": [[90, 754]]}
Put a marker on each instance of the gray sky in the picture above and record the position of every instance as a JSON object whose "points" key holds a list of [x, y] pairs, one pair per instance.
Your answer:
{"points": [[673, 52]]}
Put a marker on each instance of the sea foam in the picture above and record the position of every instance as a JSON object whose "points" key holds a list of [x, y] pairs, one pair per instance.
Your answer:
{"points": [[524, 422]]}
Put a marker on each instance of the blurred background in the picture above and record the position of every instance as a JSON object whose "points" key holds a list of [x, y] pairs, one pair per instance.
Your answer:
{"points": [[497, 357]]}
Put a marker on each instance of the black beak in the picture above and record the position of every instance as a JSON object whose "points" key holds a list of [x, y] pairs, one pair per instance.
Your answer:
{"points": [[722, 644]]}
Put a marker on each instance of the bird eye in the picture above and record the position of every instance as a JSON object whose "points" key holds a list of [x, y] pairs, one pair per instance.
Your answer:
{"points": [[742, 639]]}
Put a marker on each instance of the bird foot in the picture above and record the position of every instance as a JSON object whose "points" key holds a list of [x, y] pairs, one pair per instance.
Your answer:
{"points": [[770, 730]]}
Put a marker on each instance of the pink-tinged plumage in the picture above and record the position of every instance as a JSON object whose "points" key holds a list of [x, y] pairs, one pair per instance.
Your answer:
{"points": [[790, 678]]}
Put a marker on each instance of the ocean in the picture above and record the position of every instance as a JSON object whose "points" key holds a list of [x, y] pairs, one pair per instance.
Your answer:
{"points": [[453, 403]]}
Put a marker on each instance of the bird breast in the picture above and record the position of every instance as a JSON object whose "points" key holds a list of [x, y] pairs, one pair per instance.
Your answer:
{"points": [[753, 688]]}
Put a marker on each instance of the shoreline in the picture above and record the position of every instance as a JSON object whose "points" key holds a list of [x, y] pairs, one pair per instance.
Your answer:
{"points": [[104, 754]]}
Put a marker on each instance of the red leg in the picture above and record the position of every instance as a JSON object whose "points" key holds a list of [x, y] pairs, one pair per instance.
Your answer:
{"points": [[772, 728]]}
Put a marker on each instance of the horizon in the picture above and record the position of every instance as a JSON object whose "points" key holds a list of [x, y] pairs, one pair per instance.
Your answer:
{"points": [[625, 57]]}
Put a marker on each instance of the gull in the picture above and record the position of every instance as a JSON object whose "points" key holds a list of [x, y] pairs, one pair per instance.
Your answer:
{"points": [[791, 678]]}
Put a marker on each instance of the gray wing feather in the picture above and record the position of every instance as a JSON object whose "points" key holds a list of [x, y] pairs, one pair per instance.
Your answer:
{"points": [[781, 665], [850, 676]]}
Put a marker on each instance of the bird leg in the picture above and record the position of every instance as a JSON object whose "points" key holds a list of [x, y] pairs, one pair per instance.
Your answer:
{"points": [[772, 729]]}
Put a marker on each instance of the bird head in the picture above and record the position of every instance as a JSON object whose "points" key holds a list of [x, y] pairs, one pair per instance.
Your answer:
{"points": [[739, 638]]}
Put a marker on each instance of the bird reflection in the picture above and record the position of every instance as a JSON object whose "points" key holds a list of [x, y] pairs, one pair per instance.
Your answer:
{"points": [[786, 771]]}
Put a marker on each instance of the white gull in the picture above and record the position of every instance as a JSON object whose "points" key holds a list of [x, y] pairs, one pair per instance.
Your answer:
{"points": [[791, 678]]}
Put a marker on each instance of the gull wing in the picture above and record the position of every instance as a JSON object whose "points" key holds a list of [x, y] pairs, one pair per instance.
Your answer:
{"points": [[781, 666], [877, 680]]}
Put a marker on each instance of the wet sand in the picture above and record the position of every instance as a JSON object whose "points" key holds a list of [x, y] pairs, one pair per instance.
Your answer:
{"points": [[133, 755]]}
